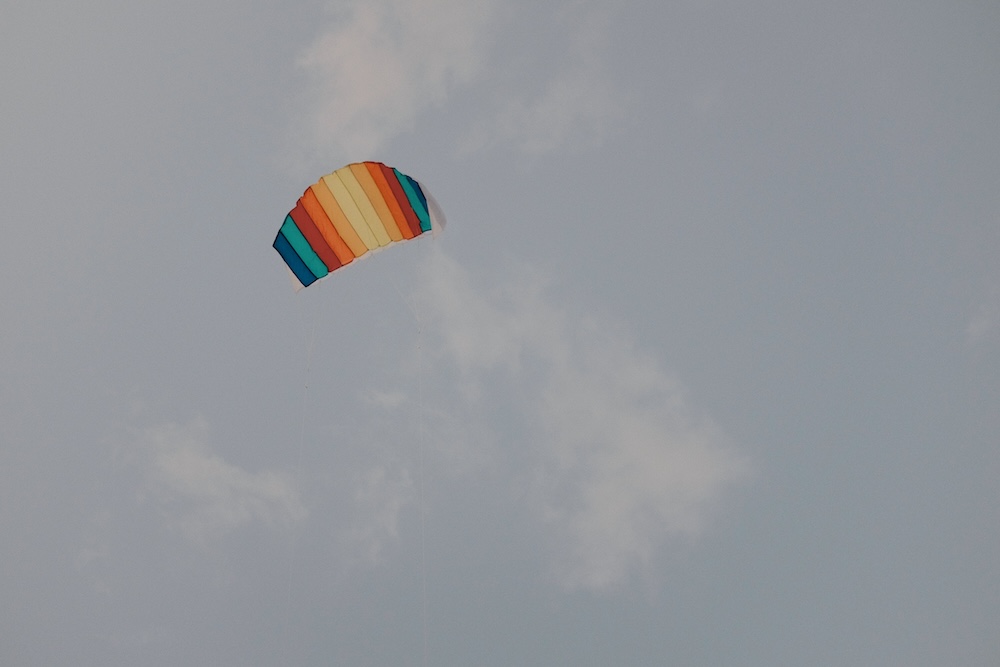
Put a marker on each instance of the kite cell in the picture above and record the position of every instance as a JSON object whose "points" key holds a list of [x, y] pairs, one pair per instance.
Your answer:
{"points": [[357, 209]]}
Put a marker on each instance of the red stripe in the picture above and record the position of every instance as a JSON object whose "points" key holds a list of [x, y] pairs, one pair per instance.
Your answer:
{"points": [[404, 202], [315, 238]]}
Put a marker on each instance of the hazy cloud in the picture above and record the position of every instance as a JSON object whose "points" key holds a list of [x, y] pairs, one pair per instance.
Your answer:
{"points": [[380, 494], [384, 61], [203, 495], [619, 461], [576, 103], [985, 321]]}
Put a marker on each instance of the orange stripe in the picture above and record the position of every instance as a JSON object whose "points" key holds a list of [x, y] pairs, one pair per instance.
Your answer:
{"points": [[374, 168], [401, 200], [374, 195], [325, 227], [338, 219], [315, 239]]}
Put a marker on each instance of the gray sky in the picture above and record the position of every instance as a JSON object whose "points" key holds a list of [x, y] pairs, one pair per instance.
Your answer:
{"points": [[705, 369]]}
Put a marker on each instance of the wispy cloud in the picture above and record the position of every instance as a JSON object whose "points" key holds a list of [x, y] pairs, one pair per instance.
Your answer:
{"points": [[575, 105], [201, 494], [618, 459], [385, 61], [380, 495], [985, 322]]}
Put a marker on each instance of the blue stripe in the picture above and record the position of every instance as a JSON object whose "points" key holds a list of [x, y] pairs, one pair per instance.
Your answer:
{"points": [[293, 260], [425, 219], [302, 248], [417, 200]]}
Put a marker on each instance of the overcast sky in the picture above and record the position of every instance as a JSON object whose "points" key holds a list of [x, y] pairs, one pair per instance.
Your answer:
{"points": [[705, 369]]}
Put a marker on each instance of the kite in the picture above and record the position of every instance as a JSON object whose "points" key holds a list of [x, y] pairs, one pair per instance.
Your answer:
{"points": [[354, 211]]}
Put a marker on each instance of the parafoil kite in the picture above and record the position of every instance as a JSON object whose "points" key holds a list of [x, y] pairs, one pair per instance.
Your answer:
{"points": [[358, 209]]}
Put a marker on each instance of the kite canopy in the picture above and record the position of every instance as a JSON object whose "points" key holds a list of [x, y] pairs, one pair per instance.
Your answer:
{"points": [[357, 209]]}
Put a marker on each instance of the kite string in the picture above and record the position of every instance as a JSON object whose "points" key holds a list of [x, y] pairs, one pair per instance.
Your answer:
{"points": [[413, 308], [420, 473], [298, 466]]}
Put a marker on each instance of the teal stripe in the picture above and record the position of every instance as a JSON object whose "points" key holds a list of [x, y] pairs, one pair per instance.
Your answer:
{"points": [[413, 193], [302, 248], [292, 259]]}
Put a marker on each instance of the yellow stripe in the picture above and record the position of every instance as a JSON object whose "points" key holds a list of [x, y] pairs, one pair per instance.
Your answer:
{"points": [[364, 205], [350, 209], [340, 222], [374, 195]]}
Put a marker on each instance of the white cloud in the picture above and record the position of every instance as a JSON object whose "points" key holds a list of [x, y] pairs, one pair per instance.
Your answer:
{"points": [[380, 495], [386, 61], [204, 496], [575, 105], [619, 461], [383, 62], [985, 322], [386, 399]]}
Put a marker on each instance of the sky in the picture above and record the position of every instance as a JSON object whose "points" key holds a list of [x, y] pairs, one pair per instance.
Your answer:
{"points": [[704, 370]]}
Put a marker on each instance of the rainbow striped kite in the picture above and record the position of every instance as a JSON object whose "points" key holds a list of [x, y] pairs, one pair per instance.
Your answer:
{"points": [[357, 209]]}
